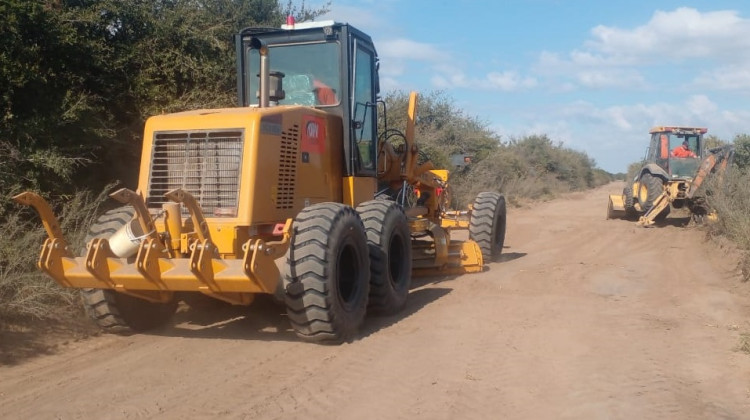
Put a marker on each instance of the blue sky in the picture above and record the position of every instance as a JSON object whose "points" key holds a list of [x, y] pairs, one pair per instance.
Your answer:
{"points": [[594, 75]]}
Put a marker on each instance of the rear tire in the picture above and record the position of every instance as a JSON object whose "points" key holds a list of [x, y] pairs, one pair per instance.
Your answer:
{"points": [[389, 243], [629, 202], [487, 224], [654, 187], [328, 273], [116, 312]]}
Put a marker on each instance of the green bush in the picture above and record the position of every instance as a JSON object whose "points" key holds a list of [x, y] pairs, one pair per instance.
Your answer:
{"points": [[533, 167], [529, 168]]}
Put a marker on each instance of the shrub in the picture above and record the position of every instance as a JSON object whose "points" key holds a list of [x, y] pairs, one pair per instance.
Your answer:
{"points": [[26, 292]]}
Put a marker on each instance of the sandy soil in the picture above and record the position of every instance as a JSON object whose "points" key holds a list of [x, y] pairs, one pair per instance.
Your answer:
{"points": [[583, 318]]}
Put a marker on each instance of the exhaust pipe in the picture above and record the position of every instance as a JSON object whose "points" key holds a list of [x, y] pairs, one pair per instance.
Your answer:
{"points": [[265, 66], [270, 84]]}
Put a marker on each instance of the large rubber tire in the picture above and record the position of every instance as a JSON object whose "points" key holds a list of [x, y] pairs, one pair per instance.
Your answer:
{"points": [[629, 202], [389, 243], [116, 312], [328, 274], [654, 187], [487, 224]]}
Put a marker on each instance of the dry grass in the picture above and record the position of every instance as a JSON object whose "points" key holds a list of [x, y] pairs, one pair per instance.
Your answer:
{"points": [[744, 344], [25, 292], [730, 197]]}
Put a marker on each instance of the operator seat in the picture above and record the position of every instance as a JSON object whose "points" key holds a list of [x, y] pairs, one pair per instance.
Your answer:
{"points": [[299, 90]]}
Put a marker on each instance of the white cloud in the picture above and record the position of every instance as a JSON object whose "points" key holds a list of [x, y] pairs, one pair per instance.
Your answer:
{"points": [[617, 57], [388, 84], [701, 105], [725, 78], [597, 79], [506, 81], [409, 49], [392, 68], [509, 81], [683, 33], [696, 110], [366, 19], [617, 135]]}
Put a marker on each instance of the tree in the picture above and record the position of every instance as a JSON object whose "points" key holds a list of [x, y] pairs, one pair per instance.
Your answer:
{"points": [[442, 129], [742, 151], [78, 78]]}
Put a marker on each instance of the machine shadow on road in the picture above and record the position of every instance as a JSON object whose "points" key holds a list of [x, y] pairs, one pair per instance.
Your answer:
{"points": [[679, 222], [24, 340], [417, 300], [509, 256], [265, 319]]}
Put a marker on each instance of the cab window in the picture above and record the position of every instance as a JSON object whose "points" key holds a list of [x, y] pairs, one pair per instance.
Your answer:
{"points": [[310, 73]]}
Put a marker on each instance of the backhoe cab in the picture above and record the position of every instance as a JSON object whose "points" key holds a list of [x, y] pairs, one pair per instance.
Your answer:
{"points": [[292, 193], [676, 164], [675, 152]]}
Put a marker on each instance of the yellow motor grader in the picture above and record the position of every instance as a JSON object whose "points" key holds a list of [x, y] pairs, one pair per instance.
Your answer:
{"points": [[292, 193], [676, 164]]}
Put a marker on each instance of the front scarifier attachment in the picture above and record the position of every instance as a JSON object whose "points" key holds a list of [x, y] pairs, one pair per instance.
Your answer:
{"points": [[155, 270]]}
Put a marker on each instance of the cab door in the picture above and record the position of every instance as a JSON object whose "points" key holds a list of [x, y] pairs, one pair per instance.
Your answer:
{"points": [[364, 117]]}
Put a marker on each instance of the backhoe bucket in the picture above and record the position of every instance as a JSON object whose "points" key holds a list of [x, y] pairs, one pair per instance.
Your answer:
{"points": [[615, 207]]}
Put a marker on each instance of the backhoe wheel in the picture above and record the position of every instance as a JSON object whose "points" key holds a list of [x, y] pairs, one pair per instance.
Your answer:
{"points": [[389, 242], [328, 273], [487, 224], [113, 311], [654, 187], [629, 203]]}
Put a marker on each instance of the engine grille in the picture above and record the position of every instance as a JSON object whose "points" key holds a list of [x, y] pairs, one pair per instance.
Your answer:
{"points": [[204, 163], [287, 168]]}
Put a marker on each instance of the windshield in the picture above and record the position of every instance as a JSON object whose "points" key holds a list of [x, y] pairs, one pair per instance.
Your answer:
{"points": [[683, 161], [676, 140], [311, 73]]}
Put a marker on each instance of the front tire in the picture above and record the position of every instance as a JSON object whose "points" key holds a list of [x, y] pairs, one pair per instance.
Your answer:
{"points": [[389, 243], [328, 273], [116, 312], [487, 224]]}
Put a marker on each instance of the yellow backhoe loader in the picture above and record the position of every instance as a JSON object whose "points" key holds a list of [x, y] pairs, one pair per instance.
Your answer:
{"points": [[292, 193], [676, 164]]}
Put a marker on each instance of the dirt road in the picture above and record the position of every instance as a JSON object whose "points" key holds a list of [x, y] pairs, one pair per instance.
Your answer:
{"points": [[583, 319]]}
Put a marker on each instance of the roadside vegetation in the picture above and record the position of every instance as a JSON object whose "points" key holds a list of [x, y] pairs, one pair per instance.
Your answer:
{"points": [[104, 66], [528, 168], [730, 197]]}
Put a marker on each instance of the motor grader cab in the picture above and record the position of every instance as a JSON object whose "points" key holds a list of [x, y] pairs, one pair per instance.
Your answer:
{"points": [[676, 164], [280, 195]]}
